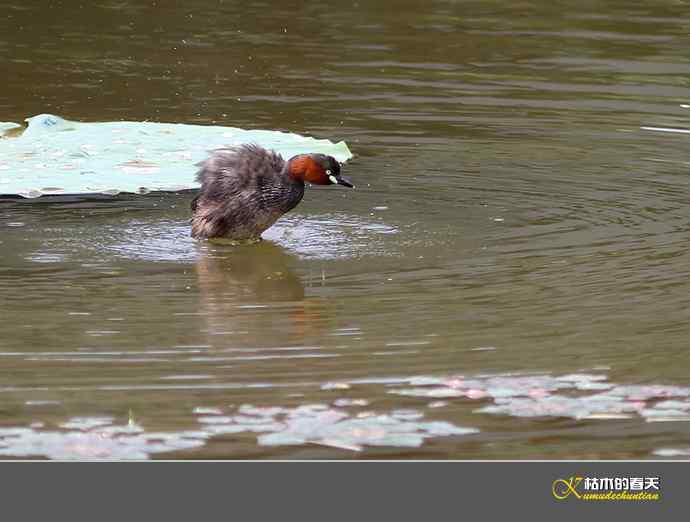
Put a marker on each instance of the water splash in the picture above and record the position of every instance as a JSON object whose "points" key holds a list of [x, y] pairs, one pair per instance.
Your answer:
{"points": [[316, 237]]}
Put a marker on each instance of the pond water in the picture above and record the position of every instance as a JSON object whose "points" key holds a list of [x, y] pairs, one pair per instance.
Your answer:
{"points": [[509, 279]]}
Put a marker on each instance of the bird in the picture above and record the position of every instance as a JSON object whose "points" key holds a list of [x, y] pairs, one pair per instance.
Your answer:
{"points": [[245, 189]]}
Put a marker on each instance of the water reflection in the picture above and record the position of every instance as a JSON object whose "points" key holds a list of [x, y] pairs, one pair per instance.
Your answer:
{"points": [[252, 291]]}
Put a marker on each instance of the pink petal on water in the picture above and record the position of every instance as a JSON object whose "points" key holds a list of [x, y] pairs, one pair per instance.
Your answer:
{"points": [[454, 383], [474, 393], [538, 393]]}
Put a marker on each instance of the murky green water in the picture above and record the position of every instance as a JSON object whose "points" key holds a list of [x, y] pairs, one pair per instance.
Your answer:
{"points": [[512, 219]]}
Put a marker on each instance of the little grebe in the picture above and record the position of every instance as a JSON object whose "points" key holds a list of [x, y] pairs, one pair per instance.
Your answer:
{"points": [[245, 189]]}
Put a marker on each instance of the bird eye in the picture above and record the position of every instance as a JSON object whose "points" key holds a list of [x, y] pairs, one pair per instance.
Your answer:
{"points": [[328, 172]]}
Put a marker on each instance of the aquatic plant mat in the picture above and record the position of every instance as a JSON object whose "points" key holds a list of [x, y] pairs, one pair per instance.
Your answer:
{"points": [[54, 156], [346, 421]]}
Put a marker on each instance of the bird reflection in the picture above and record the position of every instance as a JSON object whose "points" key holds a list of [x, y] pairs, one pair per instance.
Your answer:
{"points": [[250, 291]]}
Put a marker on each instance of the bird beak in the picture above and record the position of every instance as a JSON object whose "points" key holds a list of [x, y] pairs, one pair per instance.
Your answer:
{"points": [[345, 182]]}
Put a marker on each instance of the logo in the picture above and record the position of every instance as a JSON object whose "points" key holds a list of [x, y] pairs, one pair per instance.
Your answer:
{"points": [[607, 488]]}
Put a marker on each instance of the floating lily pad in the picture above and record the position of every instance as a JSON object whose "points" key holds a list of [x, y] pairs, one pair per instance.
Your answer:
{"points": [[576, 396], [677, 453], [84, 438], [54, 156], [333, 427], [350, 424], [559, 406]]}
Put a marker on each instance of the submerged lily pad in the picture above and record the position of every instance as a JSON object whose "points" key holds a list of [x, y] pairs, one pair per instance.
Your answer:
{"points": [[333, 427], [676, 453], [84, 438], [577, 396], [55, 156]]}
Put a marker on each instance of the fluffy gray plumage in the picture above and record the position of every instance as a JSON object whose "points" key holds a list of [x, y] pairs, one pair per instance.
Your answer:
{"points": [[244, 190]]}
